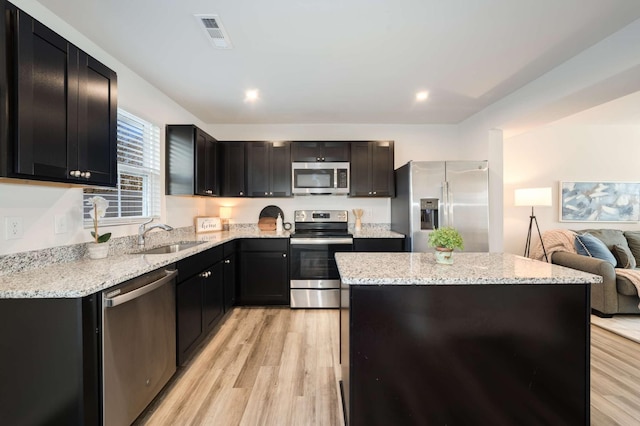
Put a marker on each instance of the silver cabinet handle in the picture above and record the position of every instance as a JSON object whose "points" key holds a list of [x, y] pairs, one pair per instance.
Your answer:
{"points": [[241, 193], [205, 274], [75, 173], [110, 302], [284, 254], [271, 193], [208, 191], [86, 175], [227, 261]]}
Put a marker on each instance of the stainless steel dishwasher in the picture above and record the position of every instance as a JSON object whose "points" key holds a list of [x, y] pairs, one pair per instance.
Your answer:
{"points": [[138, 343]]}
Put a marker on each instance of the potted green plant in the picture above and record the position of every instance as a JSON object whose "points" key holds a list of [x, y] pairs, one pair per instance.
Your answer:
{"points": [[98, 248], [445, 240]]}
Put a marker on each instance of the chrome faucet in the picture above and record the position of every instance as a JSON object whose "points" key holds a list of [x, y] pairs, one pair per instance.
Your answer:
{"points": [[142, 230]]}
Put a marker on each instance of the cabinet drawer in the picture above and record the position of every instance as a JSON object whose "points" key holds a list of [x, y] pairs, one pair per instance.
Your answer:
{"points": [[265, 244], [192, 265]]}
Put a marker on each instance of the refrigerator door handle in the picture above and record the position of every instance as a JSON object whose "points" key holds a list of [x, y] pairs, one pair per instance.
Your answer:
{"points": [[443, 220], [449, 206]]}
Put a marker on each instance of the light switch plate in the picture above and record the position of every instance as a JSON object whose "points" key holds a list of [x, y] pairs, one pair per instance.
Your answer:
{"points": [[60, 226]]}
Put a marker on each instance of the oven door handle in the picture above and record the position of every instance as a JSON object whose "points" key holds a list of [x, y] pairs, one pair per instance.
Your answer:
{"points": [[110, 302], [319, 241]]}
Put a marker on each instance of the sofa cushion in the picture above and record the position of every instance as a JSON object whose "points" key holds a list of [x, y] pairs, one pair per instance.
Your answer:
{"points": [[633, 238], [610, 237], [588, 245], [624, 256], [625, 287]]}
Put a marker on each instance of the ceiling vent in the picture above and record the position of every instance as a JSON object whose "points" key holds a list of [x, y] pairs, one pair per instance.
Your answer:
{"points": [[215, 31]]}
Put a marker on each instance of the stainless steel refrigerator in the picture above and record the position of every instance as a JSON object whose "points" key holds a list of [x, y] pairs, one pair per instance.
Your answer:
{"points": [[433, 194]]}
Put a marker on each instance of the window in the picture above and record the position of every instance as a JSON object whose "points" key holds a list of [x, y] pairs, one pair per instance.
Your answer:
{"points": [[137, 195]]}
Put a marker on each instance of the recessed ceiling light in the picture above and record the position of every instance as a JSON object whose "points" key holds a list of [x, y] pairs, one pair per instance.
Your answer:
{"points": [[422, 96], [251, 95]]}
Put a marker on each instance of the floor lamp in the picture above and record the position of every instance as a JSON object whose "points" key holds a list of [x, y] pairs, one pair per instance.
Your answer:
{"points": [[533, 197]]}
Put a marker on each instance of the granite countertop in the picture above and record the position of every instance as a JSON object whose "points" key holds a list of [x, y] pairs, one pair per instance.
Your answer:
{"points": [[376, 233], [87, 276], [468, 268]]}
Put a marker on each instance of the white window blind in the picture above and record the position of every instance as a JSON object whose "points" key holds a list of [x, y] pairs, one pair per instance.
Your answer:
{"points": [[137, 195]]}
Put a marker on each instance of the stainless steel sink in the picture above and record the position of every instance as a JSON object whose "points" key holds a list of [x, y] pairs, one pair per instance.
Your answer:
{"points": [[170, 248]]}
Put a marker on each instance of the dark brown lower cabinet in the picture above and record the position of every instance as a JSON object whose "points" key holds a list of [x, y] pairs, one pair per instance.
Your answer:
{"points": [[49, 372], [264, 271], [199, 299], [476, 354], [378, 244]]}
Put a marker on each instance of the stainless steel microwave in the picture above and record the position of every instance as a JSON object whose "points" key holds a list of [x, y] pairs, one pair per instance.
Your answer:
{"points": [[320, 178]]}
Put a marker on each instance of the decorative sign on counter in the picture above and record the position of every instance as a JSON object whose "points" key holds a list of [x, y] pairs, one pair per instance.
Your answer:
{"points": [[208, 224]]}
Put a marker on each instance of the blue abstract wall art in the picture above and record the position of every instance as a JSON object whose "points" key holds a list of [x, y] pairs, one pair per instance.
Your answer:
{"points": [[599, 201]]}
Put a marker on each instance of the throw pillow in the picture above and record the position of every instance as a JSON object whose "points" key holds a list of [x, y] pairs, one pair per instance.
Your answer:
{"points": [[633, 238], [624, 257], [588, 245]]}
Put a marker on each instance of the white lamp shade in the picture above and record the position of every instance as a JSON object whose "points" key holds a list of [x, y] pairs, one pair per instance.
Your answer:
{"points": [[533, 197], [225, 212]]}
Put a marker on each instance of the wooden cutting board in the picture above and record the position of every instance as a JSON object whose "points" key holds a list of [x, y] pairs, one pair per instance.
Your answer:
{"points": [[267, 224]]}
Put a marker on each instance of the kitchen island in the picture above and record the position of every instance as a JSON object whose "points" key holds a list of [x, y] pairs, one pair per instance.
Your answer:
{"points": [[493, 339]]}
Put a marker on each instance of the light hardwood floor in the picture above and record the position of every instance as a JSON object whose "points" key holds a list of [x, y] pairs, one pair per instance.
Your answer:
{"points": [[264, 366], [278, 366]]}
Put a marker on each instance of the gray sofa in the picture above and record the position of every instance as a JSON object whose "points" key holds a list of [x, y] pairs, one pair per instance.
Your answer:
{"points": [[616, 295]]}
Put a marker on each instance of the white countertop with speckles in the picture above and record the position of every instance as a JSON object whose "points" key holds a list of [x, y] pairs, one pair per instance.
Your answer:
{"points": [[376, 233], [468, 268], [87, 276]]}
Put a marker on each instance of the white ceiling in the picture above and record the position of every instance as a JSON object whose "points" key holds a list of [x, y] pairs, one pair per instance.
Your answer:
{"points": [[344, 61]]}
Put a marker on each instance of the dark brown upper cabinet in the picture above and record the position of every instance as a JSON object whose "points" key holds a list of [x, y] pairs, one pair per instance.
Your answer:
{"points": [[372, 169], [320, 151], [268, 169], [232, 169], [191, 158], [59, 113]]}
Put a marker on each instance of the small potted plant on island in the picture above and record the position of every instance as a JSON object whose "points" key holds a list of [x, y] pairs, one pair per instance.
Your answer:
{"points": [[445, 240], [98, 248]]}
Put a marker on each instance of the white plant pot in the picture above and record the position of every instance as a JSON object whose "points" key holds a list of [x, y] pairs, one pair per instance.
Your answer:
{"points": [[98, 250], [444, 256]]}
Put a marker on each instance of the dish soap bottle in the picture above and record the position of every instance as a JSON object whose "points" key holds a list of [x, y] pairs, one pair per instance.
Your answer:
{"points": [[279, 224]]}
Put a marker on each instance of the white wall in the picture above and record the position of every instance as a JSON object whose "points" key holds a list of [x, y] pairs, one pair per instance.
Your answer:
{"points": [[608, 70], [559, 152]]}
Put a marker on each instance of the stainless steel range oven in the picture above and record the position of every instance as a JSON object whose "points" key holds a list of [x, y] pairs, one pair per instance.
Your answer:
{"points": [[318, 236]]}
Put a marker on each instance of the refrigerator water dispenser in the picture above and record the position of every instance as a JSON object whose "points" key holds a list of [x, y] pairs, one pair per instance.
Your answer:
{"points": [[428, 213]]}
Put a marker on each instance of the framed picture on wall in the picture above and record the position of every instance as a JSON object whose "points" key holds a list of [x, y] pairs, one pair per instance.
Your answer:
{"points": [[599, 201]]}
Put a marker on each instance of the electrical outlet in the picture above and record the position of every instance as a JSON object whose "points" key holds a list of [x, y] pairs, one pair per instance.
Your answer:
{"points": [[60, 224], [369, 214], [13, 228]]}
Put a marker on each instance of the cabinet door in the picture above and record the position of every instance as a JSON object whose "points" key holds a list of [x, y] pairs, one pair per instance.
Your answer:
{"points": [[258, 169], [230, 281], [382, 169], [360, 169], [47, 92], [372, 169], [188, 315], [280, 169], [378, 244], [335, 151], [205, 164], [264, 278], [97, 121], [212, 296], [306, 151], [232, 165]]}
